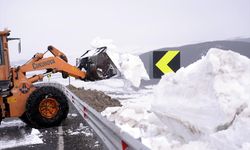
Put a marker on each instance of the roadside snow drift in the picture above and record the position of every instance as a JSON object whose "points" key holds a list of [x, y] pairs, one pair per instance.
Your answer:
{"points": [[34, 137], [202, 106]]}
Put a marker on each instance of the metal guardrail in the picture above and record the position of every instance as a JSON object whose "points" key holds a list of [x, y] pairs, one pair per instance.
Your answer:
{"points": [[111, 135]]}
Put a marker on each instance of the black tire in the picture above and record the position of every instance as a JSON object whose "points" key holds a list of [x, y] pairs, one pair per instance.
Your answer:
{"points": [[33, 107], [25, 119]]}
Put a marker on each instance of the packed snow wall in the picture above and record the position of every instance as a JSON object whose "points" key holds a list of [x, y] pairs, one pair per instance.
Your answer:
{"points": [[191, 53], [204, 106]]}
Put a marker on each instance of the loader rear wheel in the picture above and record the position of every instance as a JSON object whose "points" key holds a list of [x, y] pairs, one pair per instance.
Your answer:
{"points": [[47, 106]]}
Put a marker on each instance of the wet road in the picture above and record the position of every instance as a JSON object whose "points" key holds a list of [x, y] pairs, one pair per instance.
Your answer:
{"points": [[74, 133]]}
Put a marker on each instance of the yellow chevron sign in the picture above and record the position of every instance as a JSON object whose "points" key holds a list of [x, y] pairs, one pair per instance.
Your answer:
{"points": [[162, 64]]}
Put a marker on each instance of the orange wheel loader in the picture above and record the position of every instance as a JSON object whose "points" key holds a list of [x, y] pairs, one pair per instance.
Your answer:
{"points": [[44, 106]]}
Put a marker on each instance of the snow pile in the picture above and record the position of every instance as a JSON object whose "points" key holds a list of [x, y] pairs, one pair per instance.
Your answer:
{"points": [[28, 139], [203, 106], [131, 67], [207, 93], [12, 123]]}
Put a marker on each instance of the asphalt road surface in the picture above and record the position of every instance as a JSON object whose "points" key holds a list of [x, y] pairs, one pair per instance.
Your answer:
{"points": [[74, 133]]}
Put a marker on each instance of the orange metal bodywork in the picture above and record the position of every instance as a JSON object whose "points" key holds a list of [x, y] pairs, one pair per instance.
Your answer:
{"points": [[21, 86]]}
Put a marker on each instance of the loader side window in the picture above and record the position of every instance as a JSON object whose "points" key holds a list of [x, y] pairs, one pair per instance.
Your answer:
{"points": [[1, 51]]}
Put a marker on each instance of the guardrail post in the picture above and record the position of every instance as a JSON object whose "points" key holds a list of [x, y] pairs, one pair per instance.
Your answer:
{"points": [[85, 112], [124, 145]]}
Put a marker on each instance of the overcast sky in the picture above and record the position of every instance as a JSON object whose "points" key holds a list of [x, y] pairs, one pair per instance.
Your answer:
{"points": [[133, 25]]}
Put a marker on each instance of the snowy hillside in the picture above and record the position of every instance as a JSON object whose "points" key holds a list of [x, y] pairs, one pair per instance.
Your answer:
{"points": [[202, 106]]}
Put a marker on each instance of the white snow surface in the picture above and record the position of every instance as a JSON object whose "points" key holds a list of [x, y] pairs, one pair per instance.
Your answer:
{"points": [[27, 139], [204, 106], [13, 123]]}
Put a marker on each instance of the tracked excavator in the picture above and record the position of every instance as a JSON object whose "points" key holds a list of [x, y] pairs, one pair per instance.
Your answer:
{"points": [[44, 106]]}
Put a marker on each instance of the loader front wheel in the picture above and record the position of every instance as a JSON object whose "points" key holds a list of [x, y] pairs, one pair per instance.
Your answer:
{"points": [[25, 119], [47, 106]]}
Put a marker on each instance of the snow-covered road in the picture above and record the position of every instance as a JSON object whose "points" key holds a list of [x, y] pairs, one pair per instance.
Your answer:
{"points": [[74, 133]]}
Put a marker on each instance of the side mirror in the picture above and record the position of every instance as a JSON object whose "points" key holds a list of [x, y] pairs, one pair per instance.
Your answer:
{"points": [[19, 43], [77, 61], [19, 46]]}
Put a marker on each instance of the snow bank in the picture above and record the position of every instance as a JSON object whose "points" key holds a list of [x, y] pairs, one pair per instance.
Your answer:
{"points": [[206, 94], [131, 67], [203, 106], [27, 139], [12, 123]]}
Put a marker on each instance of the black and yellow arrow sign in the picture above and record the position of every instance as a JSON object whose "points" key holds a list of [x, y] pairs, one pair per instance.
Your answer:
{"points": [[165, 62]]}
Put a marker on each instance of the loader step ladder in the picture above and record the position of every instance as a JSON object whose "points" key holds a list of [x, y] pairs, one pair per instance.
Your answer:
{"points": [[4, 86]]}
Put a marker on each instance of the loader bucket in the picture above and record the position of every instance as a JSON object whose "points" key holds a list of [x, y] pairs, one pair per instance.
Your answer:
{"points": [[97, 64]]}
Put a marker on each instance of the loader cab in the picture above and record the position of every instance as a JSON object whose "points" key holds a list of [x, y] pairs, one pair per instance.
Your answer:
{"points": [[1, 51], [4, 61]]}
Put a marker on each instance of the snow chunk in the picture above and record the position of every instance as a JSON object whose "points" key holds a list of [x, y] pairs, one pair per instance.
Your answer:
{"points": [[12, 123], [27, 139], [133, 70], [131, 66], [35, 132]]}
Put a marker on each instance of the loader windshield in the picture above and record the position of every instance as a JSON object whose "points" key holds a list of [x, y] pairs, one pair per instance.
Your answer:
{"points": [[1, 51]]}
